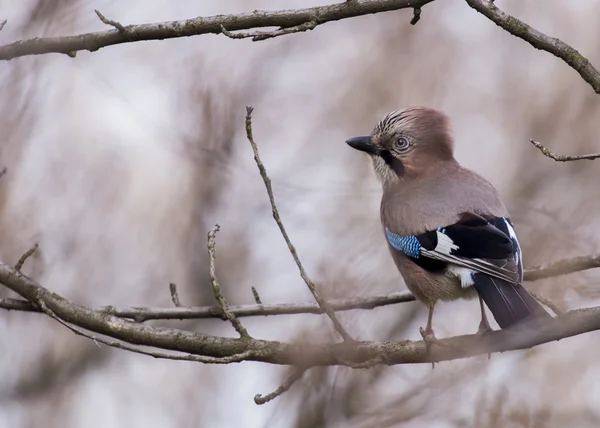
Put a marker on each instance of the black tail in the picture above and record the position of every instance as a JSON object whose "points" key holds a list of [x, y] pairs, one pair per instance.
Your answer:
{"points": [[509, 303]]}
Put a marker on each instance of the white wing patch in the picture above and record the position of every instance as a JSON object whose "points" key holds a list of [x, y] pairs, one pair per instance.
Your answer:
{"points": [[444, 244], [513, 235], [465, 275], [478, 265]]}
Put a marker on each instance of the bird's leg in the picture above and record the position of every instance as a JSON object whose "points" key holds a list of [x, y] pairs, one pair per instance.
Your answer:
{"points": [[484, 325], [428, 334]]}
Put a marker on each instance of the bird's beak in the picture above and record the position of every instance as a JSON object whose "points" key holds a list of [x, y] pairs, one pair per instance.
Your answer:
{"points": [[364, 144]]}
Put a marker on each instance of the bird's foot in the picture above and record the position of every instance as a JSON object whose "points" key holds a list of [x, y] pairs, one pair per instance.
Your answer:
{"points": [[428, 335], [429, 339], [484, 329]]}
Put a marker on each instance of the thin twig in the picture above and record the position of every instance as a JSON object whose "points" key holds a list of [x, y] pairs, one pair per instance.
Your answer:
{"points": [[311, 286], [174, 295], [137, 350], [562, 158], [365, 364], [3, 171], [416, 16], [285, 386], [110, 22], [24, 257], [256, 296], [2, 24], [141, 314], [257, 36], [540, 41], [231, 35], [217, 289], [282, 19]]}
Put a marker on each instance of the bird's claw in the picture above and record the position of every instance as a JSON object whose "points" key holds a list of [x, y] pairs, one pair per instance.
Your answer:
{"points": [[429, 339], [484, 328], [428, 336]]}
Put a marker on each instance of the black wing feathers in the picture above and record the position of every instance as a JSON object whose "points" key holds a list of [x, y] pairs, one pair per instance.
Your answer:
{"points": [[487, 246], [475, 238]]}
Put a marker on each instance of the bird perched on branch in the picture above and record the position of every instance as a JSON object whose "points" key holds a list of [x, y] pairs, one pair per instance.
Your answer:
{"points": [[448, 232]]}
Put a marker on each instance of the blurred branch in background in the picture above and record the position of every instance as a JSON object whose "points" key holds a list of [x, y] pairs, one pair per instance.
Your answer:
{"points": [[142, 314]]}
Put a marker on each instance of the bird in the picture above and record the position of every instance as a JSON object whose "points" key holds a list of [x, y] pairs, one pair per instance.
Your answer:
{"points": [[447, 229]]}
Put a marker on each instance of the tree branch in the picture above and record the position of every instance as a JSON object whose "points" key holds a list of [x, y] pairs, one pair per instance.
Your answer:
{"points": [[525, 335], [284, 387], [141, 314], [302, 19], [540, 41], [237, 325], [25, 256], [257, 36], [311, 286], [562, 267], [562, 158], [174, 295]]}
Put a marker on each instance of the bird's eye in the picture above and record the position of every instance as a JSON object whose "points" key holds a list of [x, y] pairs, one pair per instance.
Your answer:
{"points": [[402, 144]]}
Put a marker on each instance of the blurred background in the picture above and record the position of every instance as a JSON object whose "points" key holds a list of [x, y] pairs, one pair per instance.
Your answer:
{"points": [[119, 162]]}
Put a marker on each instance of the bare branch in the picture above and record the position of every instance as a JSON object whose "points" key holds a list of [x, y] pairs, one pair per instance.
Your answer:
{"points": [[18, 305], [217, 290], [256, 296], [285, 386], [540, 41], [141, 314], [416, 16], [351, 353], [112, 23], [257, 36], [562, 267], [562, 158], [2, 24], [174, 295], [311, 286], [25, 256], [136, 349], [3, 170], [301, 19]]}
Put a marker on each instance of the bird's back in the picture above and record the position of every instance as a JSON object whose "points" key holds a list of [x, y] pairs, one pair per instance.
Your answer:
{"points": [[418, 205]]}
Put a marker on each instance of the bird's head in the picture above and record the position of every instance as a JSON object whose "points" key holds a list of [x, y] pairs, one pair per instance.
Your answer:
{"points": [[406, 143]]}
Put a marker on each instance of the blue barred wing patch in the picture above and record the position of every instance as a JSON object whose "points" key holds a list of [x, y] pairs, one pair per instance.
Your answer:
{"points": [[409, 245]]}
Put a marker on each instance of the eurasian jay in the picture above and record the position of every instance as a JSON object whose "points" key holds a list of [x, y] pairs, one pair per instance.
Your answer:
{"points": [[448, 232]]}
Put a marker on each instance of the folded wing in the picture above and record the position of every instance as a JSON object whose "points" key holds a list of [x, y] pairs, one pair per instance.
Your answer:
{"points": [[486, 245]]}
